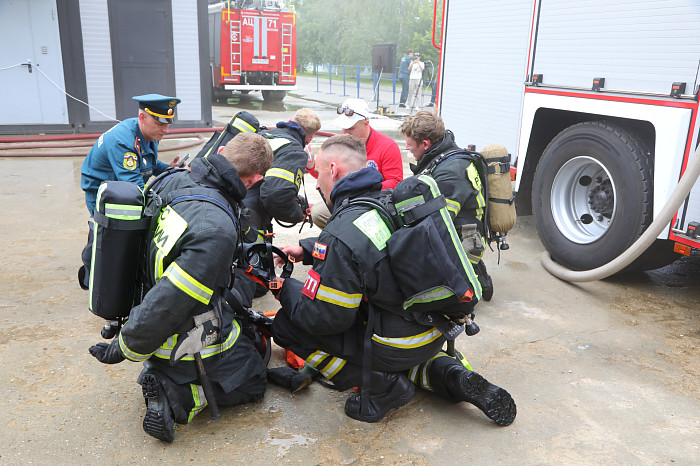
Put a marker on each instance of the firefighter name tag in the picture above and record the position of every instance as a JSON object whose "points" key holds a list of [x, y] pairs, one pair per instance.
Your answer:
{"points": [[170, 227]]}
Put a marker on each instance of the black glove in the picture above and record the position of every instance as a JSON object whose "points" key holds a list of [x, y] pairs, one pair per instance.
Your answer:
{"points": [[107, 354]]}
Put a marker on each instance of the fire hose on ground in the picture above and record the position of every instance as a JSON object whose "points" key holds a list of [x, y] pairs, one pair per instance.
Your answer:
{"points": [[86, 140], [643, 242]]}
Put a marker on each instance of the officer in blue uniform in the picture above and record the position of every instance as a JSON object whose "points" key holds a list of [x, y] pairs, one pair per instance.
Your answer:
{"points": [[129, 151]]}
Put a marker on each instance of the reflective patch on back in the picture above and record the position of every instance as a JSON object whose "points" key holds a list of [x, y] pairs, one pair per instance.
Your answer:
{"points": [[276, 143], [374, 228], [170, 227]]}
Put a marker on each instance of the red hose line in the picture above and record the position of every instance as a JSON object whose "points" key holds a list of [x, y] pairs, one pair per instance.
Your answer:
{"points": [[58, 145], [83, 154], [71, 137]]}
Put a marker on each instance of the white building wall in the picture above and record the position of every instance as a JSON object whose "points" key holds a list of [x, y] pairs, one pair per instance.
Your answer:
{"points": [[97, 50], [187, 67]]}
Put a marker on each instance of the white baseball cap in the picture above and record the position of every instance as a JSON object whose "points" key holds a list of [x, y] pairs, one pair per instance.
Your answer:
{"points": [[352, 111]]}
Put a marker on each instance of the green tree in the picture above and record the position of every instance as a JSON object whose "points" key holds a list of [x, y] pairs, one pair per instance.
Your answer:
{"points": [[342, 32]]}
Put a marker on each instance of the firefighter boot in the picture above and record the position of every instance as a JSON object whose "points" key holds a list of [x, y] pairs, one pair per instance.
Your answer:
{"points": [[388, 390], [158, 421], [287, 377], [484, 280], [452, 380]]}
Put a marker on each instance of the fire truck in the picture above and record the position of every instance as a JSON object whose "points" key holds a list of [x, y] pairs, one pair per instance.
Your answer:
{"points": [[252, 47], [597, 102]]}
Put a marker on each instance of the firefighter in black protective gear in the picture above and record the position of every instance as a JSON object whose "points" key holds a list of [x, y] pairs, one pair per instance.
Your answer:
{"points": [[458, 179], [324, 319], [277, 195], [186, 264]]}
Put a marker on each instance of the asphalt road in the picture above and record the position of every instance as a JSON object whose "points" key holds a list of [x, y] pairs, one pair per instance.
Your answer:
{"points": [[602, 373]]}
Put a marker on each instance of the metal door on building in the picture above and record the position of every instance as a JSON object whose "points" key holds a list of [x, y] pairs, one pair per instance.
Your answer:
{"points": [[29, 34], [142, 51]]}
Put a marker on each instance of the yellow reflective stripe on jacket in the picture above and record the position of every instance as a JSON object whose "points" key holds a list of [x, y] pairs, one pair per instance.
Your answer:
{"points": [[123, 211], [242, 125], [453, 206], [276, 143], [410, 342], [280, 173], [200, 401], [167, 348], [473, 175], [456, 242], [158, 266], [316, 358], [131, 355], [332, 368], [187, 284], [337, 297]]}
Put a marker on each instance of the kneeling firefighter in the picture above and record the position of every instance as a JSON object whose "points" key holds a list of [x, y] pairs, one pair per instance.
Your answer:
{"points": [[182, 327], [461, 176], [372, 314]]}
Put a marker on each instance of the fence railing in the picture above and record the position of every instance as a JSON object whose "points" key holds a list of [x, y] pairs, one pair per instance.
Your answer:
{"points": [[362, 82]]}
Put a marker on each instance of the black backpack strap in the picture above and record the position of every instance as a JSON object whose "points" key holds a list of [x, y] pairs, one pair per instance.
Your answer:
{"points": [[459, 153], [422, 210], [204, 195], [119, 224]]}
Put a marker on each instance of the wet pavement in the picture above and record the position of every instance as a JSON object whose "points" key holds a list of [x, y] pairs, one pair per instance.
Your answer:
{"points": [[602, 373]]}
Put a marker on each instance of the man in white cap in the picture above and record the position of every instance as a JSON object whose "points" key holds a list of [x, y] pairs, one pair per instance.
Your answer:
{"points": [[382, 151]]}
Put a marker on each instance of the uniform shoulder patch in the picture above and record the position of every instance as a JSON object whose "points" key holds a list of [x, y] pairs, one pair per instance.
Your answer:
{"points": [[313, 280], [130, 161], [372, 164], [319, 251]]}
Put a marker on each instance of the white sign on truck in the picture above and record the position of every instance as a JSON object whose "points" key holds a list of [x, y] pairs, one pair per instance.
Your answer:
{"points": [[596, 101]]}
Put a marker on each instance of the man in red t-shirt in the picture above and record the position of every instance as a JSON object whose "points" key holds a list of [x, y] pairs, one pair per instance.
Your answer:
{"points": [[382, 151]]}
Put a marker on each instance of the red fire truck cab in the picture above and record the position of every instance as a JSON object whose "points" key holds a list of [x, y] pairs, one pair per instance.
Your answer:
{"points": [[252, 49]]}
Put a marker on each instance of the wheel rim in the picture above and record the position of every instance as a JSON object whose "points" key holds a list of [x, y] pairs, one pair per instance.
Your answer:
{"points": [[583, 200]]}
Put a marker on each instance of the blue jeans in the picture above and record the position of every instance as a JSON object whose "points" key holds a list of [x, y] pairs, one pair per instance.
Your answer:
{"points": [[404, 88]]}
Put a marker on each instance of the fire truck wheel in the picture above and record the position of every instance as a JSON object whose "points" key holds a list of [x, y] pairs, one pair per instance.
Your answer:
{"points": [[592, 197], [273, 96]]}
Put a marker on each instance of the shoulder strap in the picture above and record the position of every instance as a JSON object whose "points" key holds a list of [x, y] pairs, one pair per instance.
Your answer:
{"points": [[204, 195], [383, 206], [450, 154]]}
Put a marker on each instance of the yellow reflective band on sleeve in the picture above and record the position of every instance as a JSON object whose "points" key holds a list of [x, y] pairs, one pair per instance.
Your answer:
{"points": [[200, 401], [123, 211], [473, 175], [453, 206], [316, 358], [276, 143], [337, 297], [243, 126], [456, 242], [187, 284], [131, 355], [409, 342], [332, 368], [280, 173]]}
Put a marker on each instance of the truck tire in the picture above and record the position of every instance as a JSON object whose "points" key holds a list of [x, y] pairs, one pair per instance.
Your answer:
{"points": [[592, 197], [273, 96]]}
